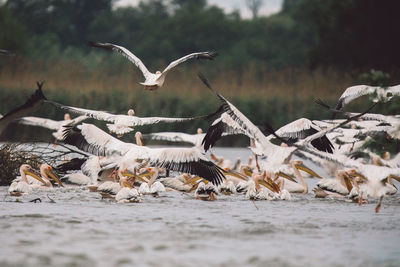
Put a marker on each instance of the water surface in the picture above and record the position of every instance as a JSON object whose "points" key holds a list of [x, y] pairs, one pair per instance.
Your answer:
{"points": [[81, 229]]}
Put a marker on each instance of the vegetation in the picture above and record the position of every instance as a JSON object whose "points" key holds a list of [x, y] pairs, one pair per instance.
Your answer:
{"points": [[272, 68]]}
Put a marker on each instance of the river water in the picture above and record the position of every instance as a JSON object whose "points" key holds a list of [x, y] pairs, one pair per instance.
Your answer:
{"points": [[81, 229]]}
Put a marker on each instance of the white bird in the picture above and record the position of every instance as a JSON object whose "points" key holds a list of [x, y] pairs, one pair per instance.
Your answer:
{"points": [[178, 183], [22, 187], [152, 187], [152, 80], [354, 92], [122, 124], [276, 155], [57, 126], [207, 192], [292, 186], [192, 160], [302, 128], [28, 107], [227, 188]]}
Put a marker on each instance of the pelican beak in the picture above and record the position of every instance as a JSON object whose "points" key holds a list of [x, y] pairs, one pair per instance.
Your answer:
{"points": [[362, 177], [287, 176], [54, 176], [193, 180], [236, 174], [348, 183], [213, 157], [35, 175], [397, 178], [126, 184], [248, 172], [267, 185], [307, 170]]}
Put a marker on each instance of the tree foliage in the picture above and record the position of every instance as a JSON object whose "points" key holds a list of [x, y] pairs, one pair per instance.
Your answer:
{"points": [[346, 34]]}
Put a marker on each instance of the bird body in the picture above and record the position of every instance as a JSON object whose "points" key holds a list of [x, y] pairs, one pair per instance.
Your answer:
{"points": [[152, 81]]}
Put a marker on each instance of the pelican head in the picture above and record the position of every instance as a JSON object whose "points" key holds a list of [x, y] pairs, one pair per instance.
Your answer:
{"points": [[139, 140], [199, 131], [131, 112], [386, 155], [27, 169], [47, 171], [67, 117], [158, 72]]}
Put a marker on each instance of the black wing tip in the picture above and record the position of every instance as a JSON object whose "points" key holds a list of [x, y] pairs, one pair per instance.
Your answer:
{"points": [[209, 55], [100, 45]]}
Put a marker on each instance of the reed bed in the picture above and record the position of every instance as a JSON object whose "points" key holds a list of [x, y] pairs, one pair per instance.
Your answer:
{"points": [[109, 83]]}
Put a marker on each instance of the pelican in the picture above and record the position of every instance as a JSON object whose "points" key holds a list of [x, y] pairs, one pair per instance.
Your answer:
{"points": [[178, 183], [47, 173], [57, 126], [206, 191], [302, 128], [227, 188], [375, 177], [91, 139], [127, 193], [292, 186], [22, 187], [152, 187], [153, 80], [28, 107], [122, 124], [276, 155], [256, 192], [354, 92]]}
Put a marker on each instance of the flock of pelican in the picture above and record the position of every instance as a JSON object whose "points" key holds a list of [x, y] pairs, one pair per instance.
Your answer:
{"points": [[126, 171]]}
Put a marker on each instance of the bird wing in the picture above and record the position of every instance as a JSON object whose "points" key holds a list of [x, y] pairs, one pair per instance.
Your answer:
{"points": [[198, 55], [175, 137], [241, 120], [28, 107], [302, 128], [354, 92], [222, 126], [187, 160], [98, 115], [126, 53], [93, 140], [42, 122]]}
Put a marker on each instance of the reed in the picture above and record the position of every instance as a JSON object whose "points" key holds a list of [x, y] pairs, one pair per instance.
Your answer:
{"points": [[110, 83]]}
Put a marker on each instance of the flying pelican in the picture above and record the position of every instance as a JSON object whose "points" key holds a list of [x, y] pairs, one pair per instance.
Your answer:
{"points": [[57, 126], [28, 107], [302, 128], [22, 187], [192, 160], [153, 80], [122, 124], [354, 92], [276, 155]]}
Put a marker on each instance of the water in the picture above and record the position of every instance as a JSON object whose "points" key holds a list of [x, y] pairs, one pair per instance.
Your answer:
{"points": [[80, 229]]}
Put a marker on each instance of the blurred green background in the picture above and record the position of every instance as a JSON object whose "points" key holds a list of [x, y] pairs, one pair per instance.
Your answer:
{"points": [[272, 68]]}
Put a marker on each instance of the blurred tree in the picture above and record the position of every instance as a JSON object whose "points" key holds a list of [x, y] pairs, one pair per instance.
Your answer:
{"points": [[13, 35], [254, 6]]}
